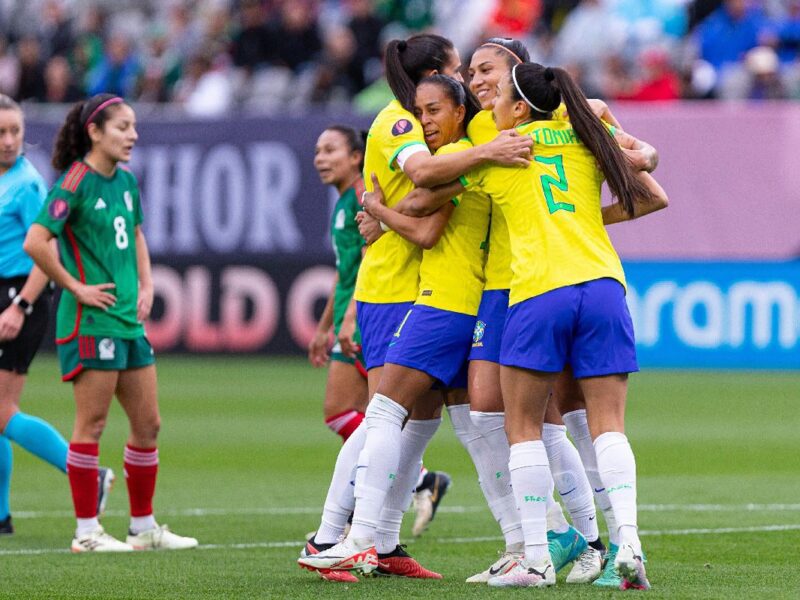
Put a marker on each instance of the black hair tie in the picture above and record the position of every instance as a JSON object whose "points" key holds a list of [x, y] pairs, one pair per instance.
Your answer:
{"points": [[402, 45], [548, 74]]}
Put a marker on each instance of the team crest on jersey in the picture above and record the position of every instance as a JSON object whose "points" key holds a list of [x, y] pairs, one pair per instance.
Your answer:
{"points": [[401, 127], [106, 349], [478, 333], [338, 222], [128, 200], [58, 209]]}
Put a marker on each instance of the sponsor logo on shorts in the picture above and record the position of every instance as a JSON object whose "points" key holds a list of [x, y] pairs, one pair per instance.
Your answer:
{"points": [[402, 126], [58, 209], [427, 293], [106, 349], [478, 333]]}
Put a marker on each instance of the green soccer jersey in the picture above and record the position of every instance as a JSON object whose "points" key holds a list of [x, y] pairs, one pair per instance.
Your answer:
{"points": [[347, 244], [94, 218]]}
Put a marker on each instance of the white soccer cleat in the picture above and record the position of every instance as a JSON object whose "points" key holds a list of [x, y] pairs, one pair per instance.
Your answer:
{"points": [[99, 541], [423, 512], [501, 566], [631, 568], [347, 555], [160, 538], [588, 567], [524, 574]]}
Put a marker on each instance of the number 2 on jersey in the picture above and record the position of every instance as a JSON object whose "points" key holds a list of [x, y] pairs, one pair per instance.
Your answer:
{"points": [[121, 237], [548, 182]]}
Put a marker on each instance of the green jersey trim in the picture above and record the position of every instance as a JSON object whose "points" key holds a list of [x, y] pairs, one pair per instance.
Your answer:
{"points": [[400, 149]]}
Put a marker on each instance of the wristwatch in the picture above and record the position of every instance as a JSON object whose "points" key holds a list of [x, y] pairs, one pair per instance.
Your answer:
{"points": [[26, 306]]}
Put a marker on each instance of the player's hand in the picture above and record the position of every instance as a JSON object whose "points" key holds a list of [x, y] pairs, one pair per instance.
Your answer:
{"points": [[318, 349], [346, 336], [510, 149], [95, 295], [144, 304], [11, 321], [374, 199], [369, 227]]}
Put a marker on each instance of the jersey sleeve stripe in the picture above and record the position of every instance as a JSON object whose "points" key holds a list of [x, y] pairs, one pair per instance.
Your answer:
{"points": [[74, 177], [65, 184], [401, 148], [359, 188], [76, 251]]}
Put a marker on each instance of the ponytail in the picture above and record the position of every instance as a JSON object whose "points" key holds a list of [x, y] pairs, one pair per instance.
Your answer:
{"points": [[73, 141], [407, 62], [543, 89]]}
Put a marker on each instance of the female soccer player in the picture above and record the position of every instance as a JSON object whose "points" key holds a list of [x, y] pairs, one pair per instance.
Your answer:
{"points": [[338, 158], [24, 311], [388, 279], [567, 302], [94, 211]]}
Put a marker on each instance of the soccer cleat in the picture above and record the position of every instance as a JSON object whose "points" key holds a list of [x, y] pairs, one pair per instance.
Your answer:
{"points": [[347, 555], [610, 577], [160, 538], [6, 526], [427, 498], [524, 574], [398, 563], [105, 481], [588, 567], [631, 569], [565, 547], [312, 547], [501, 566], [99, 541]]}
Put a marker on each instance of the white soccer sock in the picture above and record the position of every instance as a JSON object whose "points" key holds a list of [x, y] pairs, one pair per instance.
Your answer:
{"points": [[86, 526], [578, 428], [340, 501], [379, 460], [533, 484], [492, 473], [556, 521], [570, 480], [140, 524], [617, 467], [415, 438]]}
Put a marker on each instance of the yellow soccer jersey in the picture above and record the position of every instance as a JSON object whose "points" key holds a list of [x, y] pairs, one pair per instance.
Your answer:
{"points": [[451, 273], [482, 129], [389, 271], [552, 209]]}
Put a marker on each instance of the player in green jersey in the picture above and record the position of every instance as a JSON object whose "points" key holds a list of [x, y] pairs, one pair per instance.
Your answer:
{"points": [[95, 213], [338, 157]]}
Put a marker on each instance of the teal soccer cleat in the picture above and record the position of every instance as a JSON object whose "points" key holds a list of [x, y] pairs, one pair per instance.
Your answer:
{"points": [[565, 547]]}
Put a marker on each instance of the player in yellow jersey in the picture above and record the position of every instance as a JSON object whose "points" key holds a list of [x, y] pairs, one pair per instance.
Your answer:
{"points": [[388, 278], [567, 302]]}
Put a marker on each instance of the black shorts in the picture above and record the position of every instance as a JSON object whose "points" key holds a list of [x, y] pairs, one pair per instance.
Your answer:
{"points": [[16, 355]]}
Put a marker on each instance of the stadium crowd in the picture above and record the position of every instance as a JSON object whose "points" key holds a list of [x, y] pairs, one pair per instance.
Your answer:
{"points": [[214, 56]]}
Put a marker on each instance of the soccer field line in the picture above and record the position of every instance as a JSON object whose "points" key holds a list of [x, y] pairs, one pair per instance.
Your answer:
{"points": [[450, 540], [313, 510]]}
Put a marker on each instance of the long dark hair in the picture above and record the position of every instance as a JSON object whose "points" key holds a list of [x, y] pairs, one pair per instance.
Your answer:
{"points": [[513, 51], [408, 60], [356, 139], [545, 88], [72, 141], [457, 92]]}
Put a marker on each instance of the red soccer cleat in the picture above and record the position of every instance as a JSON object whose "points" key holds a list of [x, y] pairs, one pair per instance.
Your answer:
{"points": [[399, 564]]}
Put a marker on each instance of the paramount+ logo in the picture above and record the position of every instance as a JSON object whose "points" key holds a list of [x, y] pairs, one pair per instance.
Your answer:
{"points": [[703, 314]]}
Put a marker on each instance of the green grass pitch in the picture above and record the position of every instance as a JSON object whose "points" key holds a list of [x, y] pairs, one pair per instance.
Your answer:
{"points": [[245, 462]]}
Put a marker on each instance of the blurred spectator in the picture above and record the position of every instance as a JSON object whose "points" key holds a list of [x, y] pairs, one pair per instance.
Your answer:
{"points": [[55, 31], [338, 77], [206, 90], [649, 20], [293, 34], [698, 10], [658, 81], [31, 70], [118, 71], [591, 33], [788, 33], [514, 18], [59, 84], [88, 51], [9, 69], [757, 79], [250, 48], [729, 32], [162, 68], [366, 28], [555, 12], [414, 15]]}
